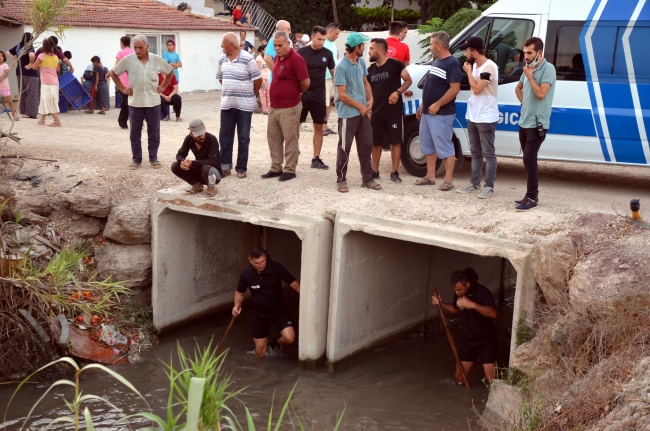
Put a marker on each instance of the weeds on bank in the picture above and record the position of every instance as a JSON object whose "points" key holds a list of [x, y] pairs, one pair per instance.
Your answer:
{"points": [[198, 390]]}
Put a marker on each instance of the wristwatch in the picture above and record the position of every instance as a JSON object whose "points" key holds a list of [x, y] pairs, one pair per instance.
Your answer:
{"points": [[399, 92]]}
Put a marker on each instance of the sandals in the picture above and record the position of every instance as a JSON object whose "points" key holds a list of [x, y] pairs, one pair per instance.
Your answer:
{"points": [[155, 164], [342, 187], [134, 165], [194, 190], [226, 172], [371, 185], [179, 120], [424, 182], [41, 122], [210, 191], [89, 112], [166, 118], [55, 124], [241, 175], [446, 186]]}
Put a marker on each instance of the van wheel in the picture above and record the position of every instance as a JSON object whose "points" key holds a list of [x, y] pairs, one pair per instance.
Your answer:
{"points": [[412, 158]]}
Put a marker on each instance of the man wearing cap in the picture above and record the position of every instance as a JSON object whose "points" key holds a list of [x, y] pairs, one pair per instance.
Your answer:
{"points": [[353, 99], [438, 111], [482, 116], [144, 97], [206, 168], [290, 79]]}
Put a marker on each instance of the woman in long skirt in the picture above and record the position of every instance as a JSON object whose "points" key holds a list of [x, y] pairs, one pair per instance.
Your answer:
{"points": [[30, 82], [48, 62]]}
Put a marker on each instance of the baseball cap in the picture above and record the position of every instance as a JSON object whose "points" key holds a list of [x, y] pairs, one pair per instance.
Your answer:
{"points": [[197, 127], [356, 39], [473, 42]]}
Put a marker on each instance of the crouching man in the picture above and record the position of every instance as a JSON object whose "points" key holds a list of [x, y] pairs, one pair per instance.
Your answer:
{"points": [[476, 306], [264, 278], [206, 168]]}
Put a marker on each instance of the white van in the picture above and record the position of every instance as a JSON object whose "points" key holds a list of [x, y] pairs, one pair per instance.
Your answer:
{"points": [[601, 108]]}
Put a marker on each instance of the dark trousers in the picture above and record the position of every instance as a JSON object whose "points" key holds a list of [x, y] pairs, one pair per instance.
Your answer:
{"points": [[124, 111], [232, 119], [138, 117], [349, 129], [176, 103], [198, 174], [530, 142]]}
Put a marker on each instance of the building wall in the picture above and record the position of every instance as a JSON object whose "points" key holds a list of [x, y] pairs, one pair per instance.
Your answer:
{"points": [[199, 50], [10, 37]]}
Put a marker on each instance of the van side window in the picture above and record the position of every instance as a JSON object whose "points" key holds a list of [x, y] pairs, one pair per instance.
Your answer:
{"points": [[505, 48], [568, 60]]}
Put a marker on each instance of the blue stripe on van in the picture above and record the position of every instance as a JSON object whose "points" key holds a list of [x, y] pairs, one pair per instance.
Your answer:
{"points": [[564, 121]]}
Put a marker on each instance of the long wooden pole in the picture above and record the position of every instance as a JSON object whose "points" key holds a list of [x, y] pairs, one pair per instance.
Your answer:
{"points": [[452, 344], [232, 321]]}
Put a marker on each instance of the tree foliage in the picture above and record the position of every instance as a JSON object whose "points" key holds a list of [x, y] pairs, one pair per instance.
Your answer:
{"points": [[447, 8], [305, 14], [380, 16], [454, 25]]}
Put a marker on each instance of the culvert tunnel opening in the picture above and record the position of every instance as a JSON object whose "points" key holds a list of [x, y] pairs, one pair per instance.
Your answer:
{"points": [[200, 259], [383, 291]]}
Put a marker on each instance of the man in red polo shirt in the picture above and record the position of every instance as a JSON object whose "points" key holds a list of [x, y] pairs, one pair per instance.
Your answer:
{"points": [[290, 79], [397, 49]]}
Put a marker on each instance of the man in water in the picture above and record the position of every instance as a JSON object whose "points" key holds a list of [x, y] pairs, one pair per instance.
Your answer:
{"points": [[264, 278], [477, 308]]}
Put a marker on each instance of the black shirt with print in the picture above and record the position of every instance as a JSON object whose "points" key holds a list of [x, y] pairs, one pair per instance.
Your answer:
{"points": [[384, 81], [266, 288]]}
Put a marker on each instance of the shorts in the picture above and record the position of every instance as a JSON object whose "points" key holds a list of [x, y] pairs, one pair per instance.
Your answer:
{"points": [[243, 19], [329, 91], [262, 325], [488, 352], [435, 135], [386, 126], [5, 93], [316, 109]]}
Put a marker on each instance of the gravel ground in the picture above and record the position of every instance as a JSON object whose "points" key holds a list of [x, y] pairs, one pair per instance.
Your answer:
{"points": [[93, 149]]}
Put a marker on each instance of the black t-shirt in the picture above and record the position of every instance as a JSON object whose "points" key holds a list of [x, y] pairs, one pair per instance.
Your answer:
{"points": [[477, 329], [441, 73], [317, 63], [384, 81], [24, 61], [266, 288]]}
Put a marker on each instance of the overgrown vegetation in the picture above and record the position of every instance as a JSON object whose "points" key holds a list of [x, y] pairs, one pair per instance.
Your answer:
{"points": [[380, 16], [198, 391], [452, 26]]}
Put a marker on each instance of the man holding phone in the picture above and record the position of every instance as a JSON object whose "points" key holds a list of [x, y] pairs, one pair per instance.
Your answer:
{"points": [[535, 91]]}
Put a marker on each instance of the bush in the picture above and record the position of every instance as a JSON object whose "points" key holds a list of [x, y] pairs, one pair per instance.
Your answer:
{"points": [[305, 14], [380, 16], [452, 26]]}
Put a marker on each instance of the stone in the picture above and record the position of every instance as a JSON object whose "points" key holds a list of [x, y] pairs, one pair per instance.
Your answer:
{"points": [[130, 263], [551, 263], [503, 408], [533, 358], [129, 224], [85, 226], [34, 206], [90, 201]]}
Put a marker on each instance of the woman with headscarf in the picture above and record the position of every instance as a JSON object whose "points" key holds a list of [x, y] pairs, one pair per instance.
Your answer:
{"points": [[30, 82]]}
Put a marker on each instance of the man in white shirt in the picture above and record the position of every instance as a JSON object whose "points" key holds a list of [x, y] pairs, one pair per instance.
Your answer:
{"points": [[482, 116], [333, 31]]}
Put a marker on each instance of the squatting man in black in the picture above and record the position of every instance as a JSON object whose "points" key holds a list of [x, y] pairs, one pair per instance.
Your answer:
{"points": [[476, 306], [264, 278]]}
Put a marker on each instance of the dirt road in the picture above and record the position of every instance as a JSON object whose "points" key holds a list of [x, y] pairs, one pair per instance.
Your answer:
{"points": [[93, 149]]}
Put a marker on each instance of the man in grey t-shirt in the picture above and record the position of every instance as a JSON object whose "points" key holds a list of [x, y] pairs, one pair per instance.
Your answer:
{"points": [[144, 97], [535, 92]]}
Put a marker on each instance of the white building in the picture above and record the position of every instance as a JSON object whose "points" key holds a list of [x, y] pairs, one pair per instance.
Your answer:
{"points": [[97, 25]]}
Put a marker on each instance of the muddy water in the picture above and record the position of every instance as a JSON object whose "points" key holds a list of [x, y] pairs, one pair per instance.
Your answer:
{"points": [[403, 385]]}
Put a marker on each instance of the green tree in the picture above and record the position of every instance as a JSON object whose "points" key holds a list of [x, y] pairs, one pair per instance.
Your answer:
{"points": [[381, 16], [446, 8], [452, 26], [305, 14]]}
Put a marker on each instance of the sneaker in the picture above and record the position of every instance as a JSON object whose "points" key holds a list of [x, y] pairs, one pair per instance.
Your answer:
{"points": [[317, 163], [286, 176], [134, 165], [375, 175], [271, 174], [394, 177], [486, 193], [526, 204], [325, 132], [468, 189], [331, 132], [520, 201]]}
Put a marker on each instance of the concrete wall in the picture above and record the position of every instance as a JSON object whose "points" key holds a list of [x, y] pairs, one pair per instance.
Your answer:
{"points": [[10, 37], [200, 247], [199, 51], [382, 270]]}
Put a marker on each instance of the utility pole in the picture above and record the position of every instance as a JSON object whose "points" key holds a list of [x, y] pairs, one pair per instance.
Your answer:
{"points": [[336, 14]]}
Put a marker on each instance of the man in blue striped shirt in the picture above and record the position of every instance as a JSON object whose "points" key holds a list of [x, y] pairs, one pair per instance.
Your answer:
{"points": [[240, 81]]}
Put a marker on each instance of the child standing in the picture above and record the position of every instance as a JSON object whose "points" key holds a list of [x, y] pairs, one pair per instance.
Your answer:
{"points": [[4, 84], [172, 57], [99, 83], [48, 62]]}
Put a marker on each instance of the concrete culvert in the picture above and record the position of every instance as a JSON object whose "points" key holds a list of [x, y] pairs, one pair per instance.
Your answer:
{"points": [[200, 248], [383, 270]]}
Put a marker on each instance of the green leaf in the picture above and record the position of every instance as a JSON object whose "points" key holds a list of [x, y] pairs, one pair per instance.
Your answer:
{"points": [[194, 399], [149, 416], [118, 378], [57, 383], [284, 408], [338, 422], [89, 420], [61, 419]]}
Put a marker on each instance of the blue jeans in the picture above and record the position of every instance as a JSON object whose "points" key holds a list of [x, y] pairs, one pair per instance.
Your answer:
{"points": [[231, 118], [138, 117]]}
